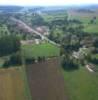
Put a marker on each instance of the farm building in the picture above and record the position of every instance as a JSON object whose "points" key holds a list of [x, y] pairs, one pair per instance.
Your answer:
{"points": [[34, 41]]}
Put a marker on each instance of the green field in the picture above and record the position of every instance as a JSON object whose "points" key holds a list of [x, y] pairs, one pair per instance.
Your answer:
{"points": [[91, 28], [81, 18], [54, 16], [81, 84], [85, 19], [42, 50]]}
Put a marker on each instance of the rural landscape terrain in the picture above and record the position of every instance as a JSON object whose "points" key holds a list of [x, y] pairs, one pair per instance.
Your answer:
{"points": [[49, 53]]}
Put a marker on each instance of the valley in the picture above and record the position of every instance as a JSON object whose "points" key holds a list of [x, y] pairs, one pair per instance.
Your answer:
{"points": [[49, 53]]}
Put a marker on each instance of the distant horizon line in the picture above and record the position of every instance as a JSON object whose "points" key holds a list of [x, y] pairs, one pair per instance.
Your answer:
{"points": [[48, 5]]}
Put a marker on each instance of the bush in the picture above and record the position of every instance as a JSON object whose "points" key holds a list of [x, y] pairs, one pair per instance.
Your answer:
{"points": [[69, 64], [94, 61], [40, 59], [15, 59], [30, 60], [6, 64]]}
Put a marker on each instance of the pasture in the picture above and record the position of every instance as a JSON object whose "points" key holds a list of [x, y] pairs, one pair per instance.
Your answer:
{"points": [[91, 28], [85, 18], [40, 50], [82, 16], [81, 84], [54, 16]]}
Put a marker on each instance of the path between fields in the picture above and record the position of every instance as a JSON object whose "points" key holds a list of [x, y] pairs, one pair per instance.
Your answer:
{"points": [[24, 26], [46, 80]]}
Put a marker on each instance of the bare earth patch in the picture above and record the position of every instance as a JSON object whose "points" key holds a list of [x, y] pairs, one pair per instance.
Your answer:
{"points": [[46, 81]]}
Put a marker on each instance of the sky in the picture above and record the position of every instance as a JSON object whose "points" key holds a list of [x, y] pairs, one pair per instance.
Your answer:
{"points": [[47, 2]]}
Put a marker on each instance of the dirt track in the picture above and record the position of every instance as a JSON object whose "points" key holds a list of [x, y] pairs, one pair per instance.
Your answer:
{"points": [[46, 81], [27, 28]]}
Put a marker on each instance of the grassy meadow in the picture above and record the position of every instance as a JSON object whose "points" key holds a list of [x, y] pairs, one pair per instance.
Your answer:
{"points": [[85, 18], [54, 16], [42, 50], [81, 84]]}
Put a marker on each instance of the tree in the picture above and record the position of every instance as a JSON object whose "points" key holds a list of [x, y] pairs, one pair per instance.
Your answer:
{"points": [[30, 60], [96, 43], [15, 59], [56, 34], [9, 44], [68, 63], [37, 20]]}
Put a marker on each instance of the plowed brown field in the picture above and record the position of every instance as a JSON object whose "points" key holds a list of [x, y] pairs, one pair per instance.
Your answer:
{"points": [[46, 81]]}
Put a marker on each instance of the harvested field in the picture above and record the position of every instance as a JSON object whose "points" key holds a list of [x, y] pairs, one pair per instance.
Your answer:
{"points": [[11, 84], [46, 81]]}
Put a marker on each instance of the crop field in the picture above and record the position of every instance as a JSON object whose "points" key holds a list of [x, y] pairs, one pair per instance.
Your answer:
{"points": [[81, 84], [91, 28], [46, 81], [42, 50], [11, 84], [85, 18], [51, 17]]}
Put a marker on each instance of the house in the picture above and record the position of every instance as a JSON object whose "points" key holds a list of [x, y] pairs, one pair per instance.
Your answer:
{"points": [[81, 53], [34, 41]]}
